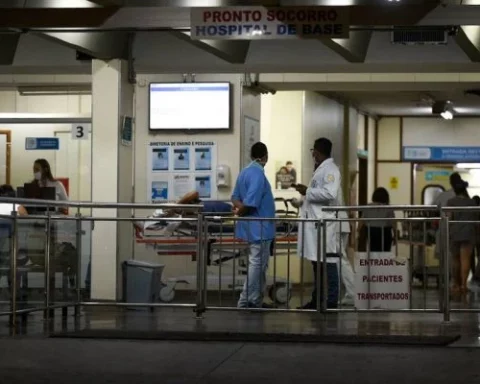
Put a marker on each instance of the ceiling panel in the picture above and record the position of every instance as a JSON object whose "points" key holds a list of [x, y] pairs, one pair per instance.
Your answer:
{"points": [[413, 102]]}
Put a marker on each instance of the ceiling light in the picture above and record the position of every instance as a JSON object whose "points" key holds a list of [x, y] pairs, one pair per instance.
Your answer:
{"points": [[447, 115], [468, 166], [55, 90], [444, 109]]}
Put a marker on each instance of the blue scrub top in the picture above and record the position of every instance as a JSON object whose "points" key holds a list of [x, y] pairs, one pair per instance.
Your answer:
{"points": [[253, 190]]}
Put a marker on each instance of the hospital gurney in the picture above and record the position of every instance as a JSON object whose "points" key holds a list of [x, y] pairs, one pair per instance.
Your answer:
{"points": [[170, 238]]}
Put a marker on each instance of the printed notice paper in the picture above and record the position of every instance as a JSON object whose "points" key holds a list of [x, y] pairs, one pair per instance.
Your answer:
{"points": [[203, 159], [182, 184], [160, 159], [159, 190], [181, 159], [203, 186]]}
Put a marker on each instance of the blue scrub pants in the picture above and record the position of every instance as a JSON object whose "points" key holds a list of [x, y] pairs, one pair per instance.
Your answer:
{"points": [[254, 286]]}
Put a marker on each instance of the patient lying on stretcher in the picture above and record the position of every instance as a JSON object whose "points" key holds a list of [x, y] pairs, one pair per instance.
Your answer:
{"points": [[161, 220]]}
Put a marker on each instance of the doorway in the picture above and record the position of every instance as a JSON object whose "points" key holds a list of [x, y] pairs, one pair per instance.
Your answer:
{"points": [[5, 154], [362, 181], [429, 181]]}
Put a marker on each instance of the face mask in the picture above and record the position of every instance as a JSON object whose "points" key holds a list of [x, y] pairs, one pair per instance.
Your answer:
{"points": [[37, 175]]}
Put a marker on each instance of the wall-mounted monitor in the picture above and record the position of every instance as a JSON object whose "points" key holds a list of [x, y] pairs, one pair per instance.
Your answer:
{"points": [[195, 106]]}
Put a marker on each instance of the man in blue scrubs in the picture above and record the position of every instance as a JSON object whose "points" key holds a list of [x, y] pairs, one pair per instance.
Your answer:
{"points": [[252, 197]]}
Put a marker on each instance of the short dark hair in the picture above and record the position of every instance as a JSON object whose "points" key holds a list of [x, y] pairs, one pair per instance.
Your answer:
{"points": [[323, 146], [455, 178], [380, 195], [476, 199], [460, 188], [288, 163], [7, 190], [258, 151]]}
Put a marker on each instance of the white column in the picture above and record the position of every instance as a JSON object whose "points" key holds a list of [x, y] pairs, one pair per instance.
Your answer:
{"points": [[112, 98]]}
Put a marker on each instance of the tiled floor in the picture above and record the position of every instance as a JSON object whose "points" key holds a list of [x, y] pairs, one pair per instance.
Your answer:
{"points": [[183, 319], [34, 358]]}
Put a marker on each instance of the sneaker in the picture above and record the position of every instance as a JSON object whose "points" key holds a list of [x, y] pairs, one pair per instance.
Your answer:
{"points": [[347, 302]]}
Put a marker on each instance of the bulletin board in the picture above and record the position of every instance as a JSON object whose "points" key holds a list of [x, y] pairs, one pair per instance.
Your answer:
{"points": [[178, 167]]}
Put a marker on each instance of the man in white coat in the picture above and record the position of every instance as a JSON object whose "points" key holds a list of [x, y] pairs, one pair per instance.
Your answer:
{"points": [[347, 273], [323, 191]]}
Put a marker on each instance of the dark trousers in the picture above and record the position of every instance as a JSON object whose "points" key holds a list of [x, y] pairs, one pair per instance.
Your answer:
{"points": [[332, 285], [380, 239]]}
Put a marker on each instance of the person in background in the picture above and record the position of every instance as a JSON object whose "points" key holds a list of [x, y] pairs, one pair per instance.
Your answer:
{"points": [[6, 229], [475, 257], [441, 201], [323, 191], [253, 197], [476, 251], [378, 234], [291, 171], [462, 236], [7, 208], [347, 274], [284, 179], [42, 174]]}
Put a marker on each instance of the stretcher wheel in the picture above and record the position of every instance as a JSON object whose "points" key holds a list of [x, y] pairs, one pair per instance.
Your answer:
{"points": [[279, 294], [167, 294]]}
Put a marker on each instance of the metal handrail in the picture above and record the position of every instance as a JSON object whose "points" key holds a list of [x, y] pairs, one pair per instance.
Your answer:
{"points": [[82, 204], [381, 207], [203, 220]]}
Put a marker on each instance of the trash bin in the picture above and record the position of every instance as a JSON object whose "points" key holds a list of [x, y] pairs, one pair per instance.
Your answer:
{"points": [[141, 282]]}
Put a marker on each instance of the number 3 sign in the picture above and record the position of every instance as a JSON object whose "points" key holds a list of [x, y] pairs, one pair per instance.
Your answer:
{"points": [[80, 131]]}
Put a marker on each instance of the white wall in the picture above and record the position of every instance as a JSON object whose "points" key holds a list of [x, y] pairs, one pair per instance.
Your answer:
{"points": [[228, 143], [441, 132], [21, 162], [371, 156], [12, 102], [322, 117], [281, 130]]}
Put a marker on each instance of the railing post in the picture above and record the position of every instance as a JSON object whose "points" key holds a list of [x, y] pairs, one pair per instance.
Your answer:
{"points": [[200, 305], [13, 270], [78, 274], [47, 312], [445, 234]]}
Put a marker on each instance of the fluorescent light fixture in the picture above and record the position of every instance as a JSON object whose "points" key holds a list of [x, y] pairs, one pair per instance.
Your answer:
{"points": [[83, 89], [468, 166]]}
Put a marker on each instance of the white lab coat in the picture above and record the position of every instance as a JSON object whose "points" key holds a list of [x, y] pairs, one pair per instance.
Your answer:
{"points": [[324, 190]]}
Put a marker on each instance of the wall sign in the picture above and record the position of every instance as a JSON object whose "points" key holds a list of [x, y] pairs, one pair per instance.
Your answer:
{"points": [[437, 175], [127, 131], [259, 23], [81, 131], [251, 135], [394, 183], [362, 153], [42, 143], [381, 281], [442, 154]]}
